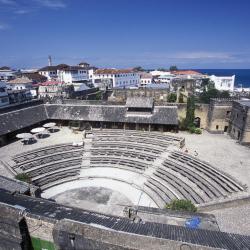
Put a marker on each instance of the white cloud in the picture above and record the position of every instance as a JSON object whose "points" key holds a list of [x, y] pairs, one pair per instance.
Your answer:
{"points": [[54, 4], [22, 11], [8, 2]]}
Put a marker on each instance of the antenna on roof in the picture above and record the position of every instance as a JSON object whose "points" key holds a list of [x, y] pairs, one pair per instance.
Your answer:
{"points": [[50, 61]]}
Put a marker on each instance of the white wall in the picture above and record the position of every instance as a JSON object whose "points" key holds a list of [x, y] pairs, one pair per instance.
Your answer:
{"points": [[120, 79], [223, 82]]}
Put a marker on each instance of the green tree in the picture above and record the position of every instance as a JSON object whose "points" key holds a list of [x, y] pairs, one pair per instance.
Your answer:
{"points": [[172, 97], [207, 94], [173, 68], [23, 177], [138, 68], [182, 205], [98, 95], [161, 69], [190, 112], [224, 94], [180, 99]]}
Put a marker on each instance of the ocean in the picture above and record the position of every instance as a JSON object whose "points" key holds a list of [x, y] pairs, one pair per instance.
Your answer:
{"points": [[242, 76]]}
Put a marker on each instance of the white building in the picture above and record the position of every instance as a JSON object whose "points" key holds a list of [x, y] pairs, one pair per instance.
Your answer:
{"points": [[4, 98], [223, 82], [145, 79], [49, 71], [7, 74], [72, 74], [159, 73], [21, 83], [50, 89], [115, 78]]}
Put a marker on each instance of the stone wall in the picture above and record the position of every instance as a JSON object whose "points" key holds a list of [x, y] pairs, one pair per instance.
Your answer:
{"points": [[218, 115], [201, 111], [240, 123], [21, 118], [122, 94], [26, 218]]}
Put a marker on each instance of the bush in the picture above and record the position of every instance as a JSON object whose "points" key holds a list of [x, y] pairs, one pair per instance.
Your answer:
{"points": [[172, 97], [23, 177], [194, 130], [181, 205], [198, 131]]}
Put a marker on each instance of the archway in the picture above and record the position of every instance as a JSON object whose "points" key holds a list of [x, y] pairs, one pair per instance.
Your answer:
{"points": [[197, 122]]}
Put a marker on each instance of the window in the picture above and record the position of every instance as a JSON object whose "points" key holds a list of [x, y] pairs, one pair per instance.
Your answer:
{"points": [[217, 127]]}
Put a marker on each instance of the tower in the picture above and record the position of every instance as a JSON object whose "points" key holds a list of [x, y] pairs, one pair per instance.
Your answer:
{"points": [[50, 61]]}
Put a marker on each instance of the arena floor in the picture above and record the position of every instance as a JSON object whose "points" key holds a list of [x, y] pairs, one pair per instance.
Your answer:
{"points": [[219, 150]]}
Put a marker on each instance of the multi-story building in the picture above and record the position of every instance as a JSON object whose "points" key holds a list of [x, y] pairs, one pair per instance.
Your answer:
{"points": [[72, 74], [4, 98], [7, 74], [239, 124], [22, 83], [145, 79], [51, 72], [116, 78], [50, 89], [223, 82]]}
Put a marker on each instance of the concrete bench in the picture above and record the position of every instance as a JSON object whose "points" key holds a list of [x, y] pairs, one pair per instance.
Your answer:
{"points": [[206, 185], [180, 187], [229, 185]]}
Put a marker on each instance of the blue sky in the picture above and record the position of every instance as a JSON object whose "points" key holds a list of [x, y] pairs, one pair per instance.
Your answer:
{"points": [[126, 33]]}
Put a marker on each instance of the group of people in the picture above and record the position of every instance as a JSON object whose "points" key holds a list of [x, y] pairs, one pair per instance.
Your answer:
{"points": [[195, 152]]}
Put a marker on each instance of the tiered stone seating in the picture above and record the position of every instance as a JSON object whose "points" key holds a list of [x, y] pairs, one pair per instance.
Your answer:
{"points": [[123, 153], [130, 146], [116, 162], [147, 141], [210, 189], [44, 151], [50, 166], [132, 133], [185, 177], [224, 183]]}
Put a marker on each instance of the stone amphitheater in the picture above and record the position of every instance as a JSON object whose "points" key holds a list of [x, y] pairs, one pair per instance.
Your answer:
{"points": [[144, 169], [93, 176]]}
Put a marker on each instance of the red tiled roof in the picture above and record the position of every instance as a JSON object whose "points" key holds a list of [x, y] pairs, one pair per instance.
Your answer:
{"points": [[186, 72], [49, 83]]}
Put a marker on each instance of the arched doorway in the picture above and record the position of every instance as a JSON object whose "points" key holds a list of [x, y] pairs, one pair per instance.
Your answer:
{"points": [[197, 122]]}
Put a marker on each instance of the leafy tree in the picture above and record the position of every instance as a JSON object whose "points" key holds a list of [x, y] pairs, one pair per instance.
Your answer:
{"points": [[224, 94], [23, 177], [182, 205], [138, 68], [206, 95], [173, 68], [161, 69], [98, 96], [190, 112], [180, 100], [172, 97]]}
